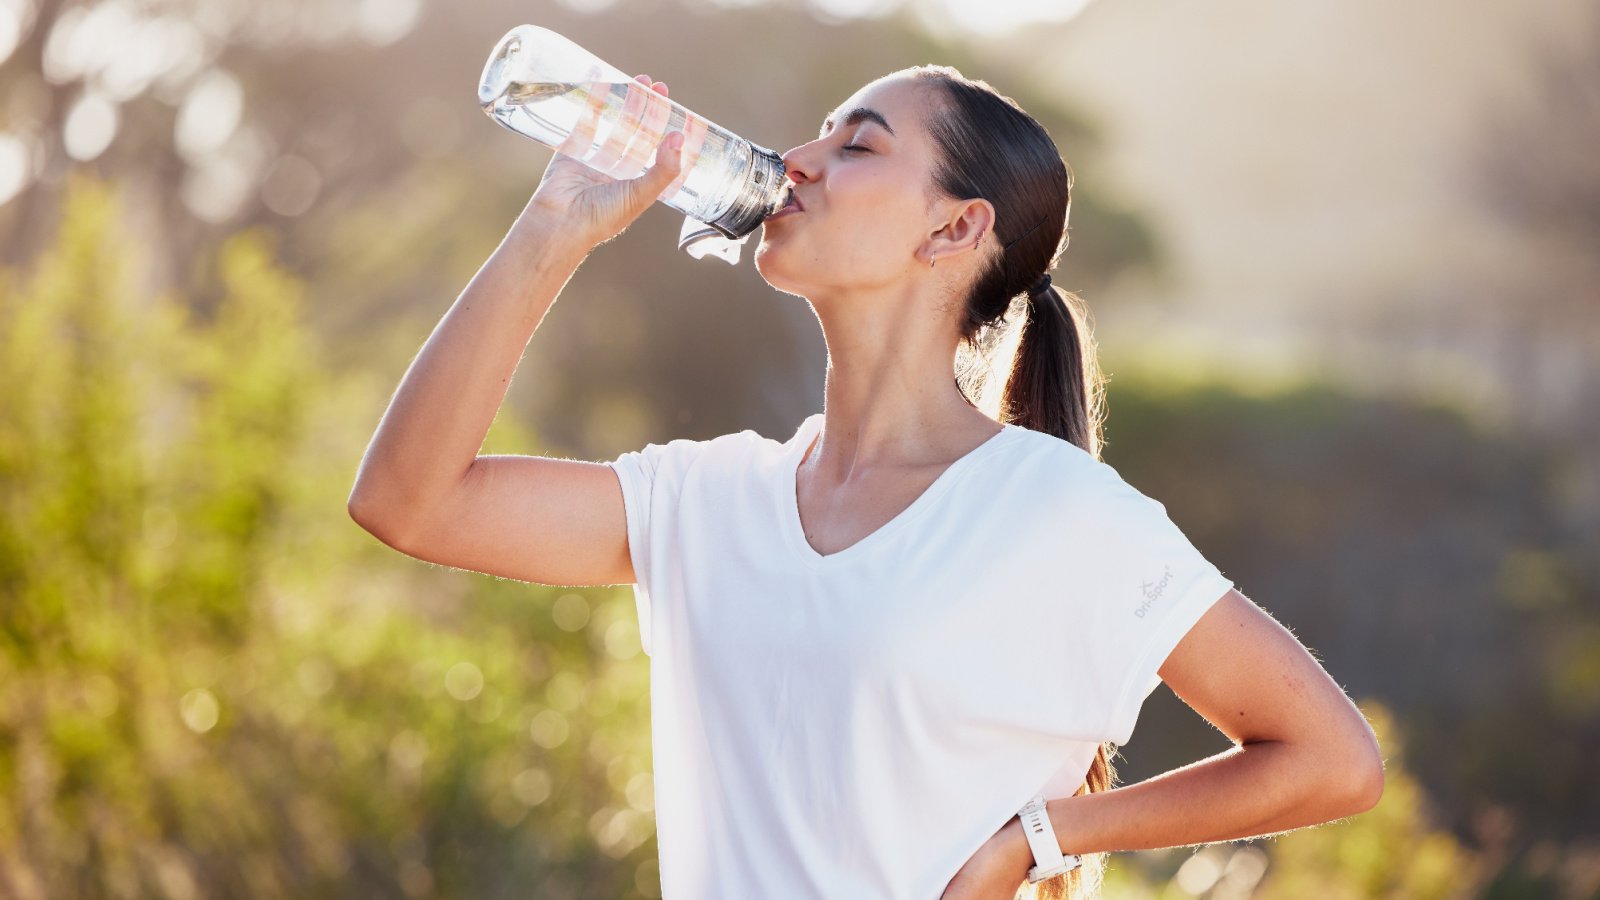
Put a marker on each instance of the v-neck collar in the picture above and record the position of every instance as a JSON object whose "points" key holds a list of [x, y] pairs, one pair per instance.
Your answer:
{"points": [[795, 530]]}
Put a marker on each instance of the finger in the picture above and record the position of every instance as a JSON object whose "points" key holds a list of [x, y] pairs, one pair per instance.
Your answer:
{"points": [[694, 137], [645, 189], [579, 142], [652, 128], [622, 133]]}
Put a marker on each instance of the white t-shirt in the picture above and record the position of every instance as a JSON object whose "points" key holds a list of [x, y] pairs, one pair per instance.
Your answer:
{"points": [[858, 724]]}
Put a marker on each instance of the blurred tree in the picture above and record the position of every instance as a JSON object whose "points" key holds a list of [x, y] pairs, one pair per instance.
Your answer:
{"points": [[352, 131], [1536, 166], [1426, 558], [1533, 165], [216, 684]]}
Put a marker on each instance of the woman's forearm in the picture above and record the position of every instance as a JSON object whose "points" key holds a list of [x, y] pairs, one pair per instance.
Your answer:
{"points": [[1256, 789], [436, 422]]}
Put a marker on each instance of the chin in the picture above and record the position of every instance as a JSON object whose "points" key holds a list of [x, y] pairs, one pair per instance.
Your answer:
{"points": [[770, 260], [767, 258]]}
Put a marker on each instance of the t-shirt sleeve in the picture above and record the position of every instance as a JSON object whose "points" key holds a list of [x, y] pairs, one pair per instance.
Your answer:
{"points": [[652, 481], [1144, 586]]}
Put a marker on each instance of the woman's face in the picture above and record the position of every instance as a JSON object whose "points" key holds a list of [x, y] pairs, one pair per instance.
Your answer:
{"points": [[864, 184]]}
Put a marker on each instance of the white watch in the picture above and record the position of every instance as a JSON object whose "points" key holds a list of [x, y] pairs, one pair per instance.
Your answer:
{"points": [[1047, 856]]}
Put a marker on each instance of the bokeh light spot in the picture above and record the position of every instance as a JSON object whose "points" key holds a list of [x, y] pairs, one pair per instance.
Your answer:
{"points": [[210, 113], [464, 681], [564, 691], [548, 729], [200, 710], [622, 639], [381, 22], [316, 676], [11, 21], [90, 127], [15, 167], [532, 786], [570, 612], [291, 185]]}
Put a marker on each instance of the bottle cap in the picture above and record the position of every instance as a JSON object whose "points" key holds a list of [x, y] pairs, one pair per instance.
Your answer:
{"points": [[700, 240], [760, 197]]}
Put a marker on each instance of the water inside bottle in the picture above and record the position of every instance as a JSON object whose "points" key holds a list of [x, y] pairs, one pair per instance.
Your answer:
{"points": [[548, 112]]}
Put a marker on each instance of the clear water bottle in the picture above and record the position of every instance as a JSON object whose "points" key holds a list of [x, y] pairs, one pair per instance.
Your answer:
{"points": [[540, 85]]}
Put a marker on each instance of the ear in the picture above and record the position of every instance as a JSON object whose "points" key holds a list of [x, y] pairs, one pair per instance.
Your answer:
{"points": [[965, 224]]}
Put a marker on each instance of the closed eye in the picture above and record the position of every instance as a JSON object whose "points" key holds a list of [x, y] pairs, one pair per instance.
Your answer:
{"points": [[855, 147]]}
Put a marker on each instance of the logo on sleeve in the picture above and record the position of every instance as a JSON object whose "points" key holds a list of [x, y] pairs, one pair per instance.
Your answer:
{"points": [[1153, 590]]}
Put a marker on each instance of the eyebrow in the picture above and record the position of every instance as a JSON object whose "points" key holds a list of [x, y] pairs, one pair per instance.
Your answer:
{"points": [[856, 116]]}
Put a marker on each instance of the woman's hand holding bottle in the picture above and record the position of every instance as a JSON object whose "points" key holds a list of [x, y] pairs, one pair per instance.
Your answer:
{"points": [[591, 207]]}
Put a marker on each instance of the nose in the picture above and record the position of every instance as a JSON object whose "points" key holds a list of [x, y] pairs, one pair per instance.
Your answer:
{"points": [[795, 165]]}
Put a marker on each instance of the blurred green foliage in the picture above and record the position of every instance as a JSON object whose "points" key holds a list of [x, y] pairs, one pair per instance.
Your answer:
{"points": [[216, 685]]}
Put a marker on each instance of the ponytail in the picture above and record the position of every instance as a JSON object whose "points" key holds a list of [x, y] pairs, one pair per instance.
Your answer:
{"points": [[1049, 376], [1056, 387]]}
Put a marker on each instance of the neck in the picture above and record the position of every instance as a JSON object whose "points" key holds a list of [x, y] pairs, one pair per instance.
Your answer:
{"points": [[891, 398]]}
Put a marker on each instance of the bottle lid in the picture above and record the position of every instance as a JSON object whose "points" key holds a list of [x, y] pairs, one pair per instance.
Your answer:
{"points": [[700, 240], [760, 197]]}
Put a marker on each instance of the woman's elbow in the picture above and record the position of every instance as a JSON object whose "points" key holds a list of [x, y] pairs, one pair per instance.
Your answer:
{"points": [[365, 511], [1369, 788], [1361, 765]]}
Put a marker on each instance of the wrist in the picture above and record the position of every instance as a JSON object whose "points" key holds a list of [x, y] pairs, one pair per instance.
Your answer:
{"points": [[1016, 855], [1046, 858], [549, 235]]}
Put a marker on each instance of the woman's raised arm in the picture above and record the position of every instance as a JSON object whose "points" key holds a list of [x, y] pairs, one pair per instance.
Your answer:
{"points": [[422, 488]]}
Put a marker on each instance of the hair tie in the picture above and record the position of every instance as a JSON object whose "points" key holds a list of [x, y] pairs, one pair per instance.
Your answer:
{"points": [[1040, 286]]}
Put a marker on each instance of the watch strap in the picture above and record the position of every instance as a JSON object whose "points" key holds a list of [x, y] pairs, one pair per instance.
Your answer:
{"points": [[1047, 856]]}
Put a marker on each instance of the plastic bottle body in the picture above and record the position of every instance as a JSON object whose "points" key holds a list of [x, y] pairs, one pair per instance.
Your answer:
{"points": [[540, 85]]}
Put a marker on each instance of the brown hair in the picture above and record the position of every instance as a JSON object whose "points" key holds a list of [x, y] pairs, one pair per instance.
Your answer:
{"points": [[989, 147]]}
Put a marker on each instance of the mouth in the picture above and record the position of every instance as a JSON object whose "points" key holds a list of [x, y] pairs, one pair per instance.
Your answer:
{"points": [[791, 202]]}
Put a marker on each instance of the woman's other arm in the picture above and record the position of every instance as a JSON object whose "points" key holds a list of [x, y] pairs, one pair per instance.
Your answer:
{"points": [[1303, 755]]}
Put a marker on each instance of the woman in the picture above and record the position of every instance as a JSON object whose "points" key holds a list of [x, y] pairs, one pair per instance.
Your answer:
{"points": [[872, 644]]}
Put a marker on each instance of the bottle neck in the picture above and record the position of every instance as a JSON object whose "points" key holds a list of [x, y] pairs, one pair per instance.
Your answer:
{"points": [[761, 193]]}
